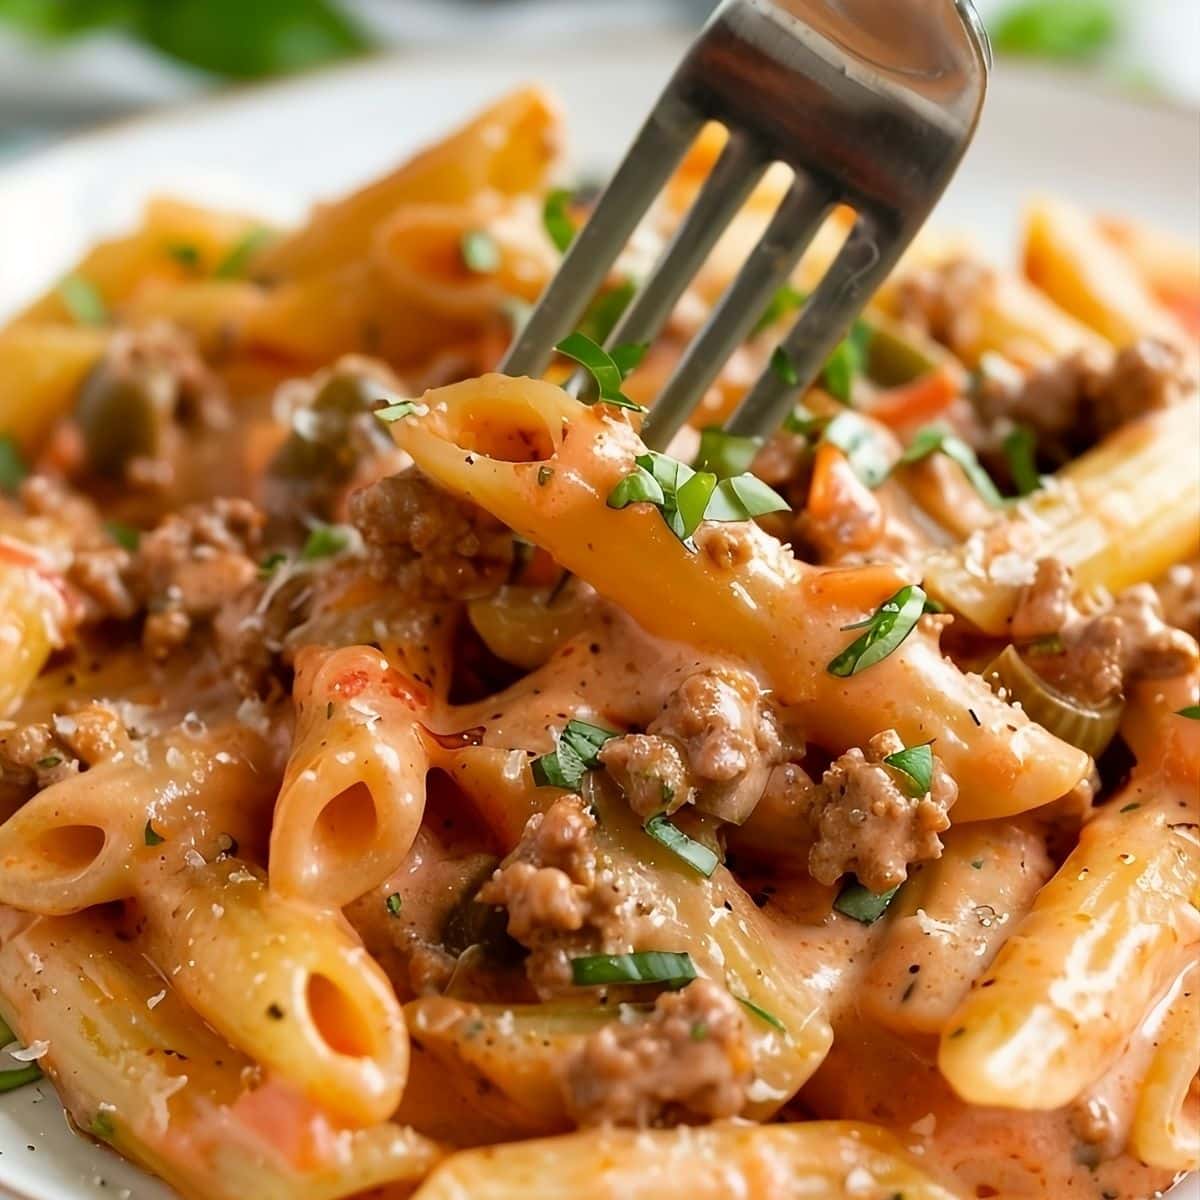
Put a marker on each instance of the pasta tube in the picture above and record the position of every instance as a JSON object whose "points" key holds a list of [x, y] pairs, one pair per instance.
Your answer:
{"points": [[786, 619], [138, 1070], [34, 612], [41, 368], [286, 983], [1119, 514], [1080, 972], [354, 789], [788, 1162]]}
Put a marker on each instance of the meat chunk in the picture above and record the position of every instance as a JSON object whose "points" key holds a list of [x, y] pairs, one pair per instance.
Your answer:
{"points": [[138, 407], [1179, 595], [1100, 652], [687, 1062], [37, 755], [96, 567], [562, 901], [713, 744], [421, 537], [863, 820], [192, 565], [944, 301], [1075, 401]]}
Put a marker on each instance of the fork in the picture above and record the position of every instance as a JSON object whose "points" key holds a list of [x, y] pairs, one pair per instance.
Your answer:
{"points": [[871, 103]]}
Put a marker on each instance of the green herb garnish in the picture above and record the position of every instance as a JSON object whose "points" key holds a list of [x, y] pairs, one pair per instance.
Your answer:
{"points": [[859, 442], [151, 836], [931, 440], [1062, 29], [185, 254], [726, 454], [576, 753], [399, 410], [1020, 451], [862, 905], [785, 300], [886, 628], [648, 966], [49, 762], [480, 252], [608, 370], [83, 300], [126, 536], [324, 541], [557, 219], [13, 468], [602, 315], [761, 1013], [782, 365], [1192, 712], [102, 1126], [915, 763], [847, 362], [696, 854], [689, 497], [19, 1077], [394, 903], [235, 262], [267, 567]]}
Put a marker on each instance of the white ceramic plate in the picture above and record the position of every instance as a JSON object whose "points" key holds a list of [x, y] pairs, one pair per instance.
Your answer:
{"points": [[278, 148]]}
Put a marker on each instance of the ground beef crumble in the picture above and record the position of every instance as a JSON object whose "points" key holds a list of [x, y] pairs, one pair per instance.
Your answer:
{"points": [[943, 301], [192, 565], [713, 744], [420, 536], [1179, 594], [862, 820], [1098, 654], [563, 901], [37, 755], [687, 1062]]}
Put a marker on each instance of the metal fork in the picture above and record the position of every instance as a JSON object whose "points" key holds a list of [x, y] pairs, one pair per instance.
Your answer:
{"points": [[871, 103]]}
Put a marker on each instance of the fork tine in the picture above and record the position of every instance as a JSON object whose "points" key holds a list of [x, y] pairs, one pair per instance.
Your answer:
{"points": [[768, 265], [862, 264], [740, 166], [657, 149]]}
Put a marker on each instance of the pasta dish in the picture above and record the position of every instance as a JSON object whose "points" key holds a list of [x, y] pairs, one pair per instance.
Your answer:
{"points": [[412, 785]]}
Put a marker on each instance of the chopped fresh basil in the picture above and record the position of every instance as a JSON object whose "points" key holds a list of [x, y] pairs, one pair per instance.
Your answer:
{"points": [[1020, 451], [782, 365], [647, 966], [761, 1013], [860, 443], [785, 300], [126, 536], [185, 254], [696, 854], [608, 370], [862, 905], [689, 497], [1062, 29], [394, 903], [726, 454], [1192, 712], [915, 763], [639, 486], [846, 363], [49, 762], [151, 836], [544, 475], [931, 440], [13, 468], [83, 301], [398, 411], [886, 628], [267, 567], [325, 541], [602, 315], [577, 753], [480, 253], [800, 420], [19, 1077], [235, 262], [557, 219], [102, 1126]]}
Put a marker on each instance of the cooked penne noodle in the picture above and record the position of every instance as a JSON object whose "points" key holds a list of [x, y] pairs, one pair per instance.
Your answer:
{"points": [[1082, 968], [354, 788], [706, 1164], [280, 979], [1119, 514]]}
